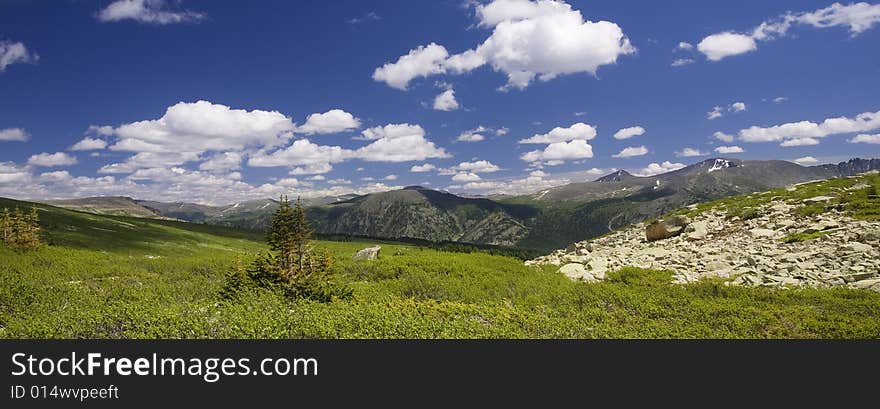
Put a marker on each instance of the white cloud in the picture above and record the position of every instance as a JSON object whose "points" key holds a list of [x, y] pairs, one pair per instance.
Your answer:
{"points": [[420, 62], [806, 160], [858, 17], [716, 112], [147, 11], [723, 137], [391, 177], [89, 144], [799, 142], [398, 143], [51, 159], [12, 53], [864, 122], [685, 46], [729, 149], [466, 177], [225, 161], [187, 130], [445, 101], [13, 135], [317, 177], [689, 153], [479, 166], [865, 138], [678, 62], [332, 121], [339, 182], [472, 135], [658, 168], [11, 174], [631, 151], [502, 131], [307, 157], [780, 100], [530, 39], [738, 107], [722, 45], [579, 131], [630, 132], [427, 167], [558, 152]]}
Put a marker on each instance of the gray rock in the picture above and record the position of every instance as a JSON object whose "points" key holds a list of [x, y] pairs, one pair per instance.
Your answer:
{"points": [[369, 253], [664, 229], [697, 231], [762, 233]]}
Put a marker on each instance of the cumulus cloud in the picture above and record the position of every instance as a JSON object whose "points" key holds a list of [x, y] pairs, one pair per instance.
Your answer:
{"points": [[716, 112], [658, 168], [719, 46], [729, 149], [631, 151], [857, 17], [579, 131], [419, 62], [13, 53], [304, 155], [13, 135], [689, 153], [630, 132], [865, 138], [390, 177], [780, 100], [806, 160], [479, 166], [398, 143], [807, 132], [445, 101], [559, 152], [466, 177], [685, 46], [426, 167], [799, 142], [89, 144], [526, 43], [10, 173], [51, 159], [187, 130], [738, 107], [223, 162], [723, 137], [472, 135], [148, 12], [332, 121]]}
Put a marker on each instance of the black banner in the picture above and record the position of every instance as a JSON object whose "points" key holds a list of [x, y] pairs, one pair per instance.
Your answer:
{"points": [[394, 373]]}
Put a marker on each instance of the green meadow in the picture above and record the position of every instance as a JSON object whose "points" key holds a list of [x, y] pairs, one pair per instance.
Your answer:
{"points": [[119, 277]]}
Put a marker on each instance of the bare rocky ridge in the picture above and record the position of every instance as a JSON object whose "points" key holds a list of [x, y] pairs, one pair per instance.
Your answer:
{"points": [[838, 250]]}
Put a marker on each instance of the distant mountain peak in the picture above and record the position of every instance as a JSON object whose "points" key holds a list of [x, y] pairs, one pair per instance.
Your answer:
{"points": [[414, 187], [618, 176], [720, 163]]}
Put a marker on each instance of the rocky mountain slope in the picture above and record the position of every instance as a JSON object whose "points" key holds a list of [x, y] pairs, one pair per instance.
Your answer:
{"points": [[416, 212], [110, 205], [819, 234], [545, 220]]}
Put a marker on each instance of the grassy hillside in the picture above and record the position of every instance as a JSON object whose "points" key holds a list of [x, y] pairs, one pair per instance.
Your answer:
{"points": [[115, 277]]}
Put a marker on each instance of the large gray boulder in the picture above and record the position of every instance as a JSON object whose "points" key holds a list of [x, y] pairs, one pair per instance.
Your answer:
{"points": [[666, 228], [369, 253]]}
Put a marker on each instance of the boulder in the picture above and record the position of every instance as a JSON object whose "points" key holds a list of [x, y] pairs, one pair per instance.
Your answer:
{"points": [[759, 233], [697, 231], [369, 253], [576, 271], [666, 228]]}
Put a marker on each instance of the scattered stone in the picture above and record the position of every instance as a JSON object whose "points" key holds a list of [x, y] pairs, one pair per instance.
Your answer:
{"points": [[762, 233], [697, 231], [369, 253]]}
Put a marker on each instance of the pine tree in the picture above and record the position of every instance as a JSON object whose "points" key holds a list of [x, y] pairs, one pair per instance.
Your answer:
{"points": [[300, 235], [280, 232]]}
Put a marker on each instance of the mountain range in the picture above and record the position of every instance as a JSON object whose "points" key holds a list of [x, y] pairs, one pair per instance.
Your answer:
{"points": [[548, 219]]}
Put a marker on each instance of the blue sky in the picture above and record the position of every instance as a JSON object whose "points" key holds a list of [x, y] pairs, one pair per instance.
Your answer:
{"points": [[128, 76]]}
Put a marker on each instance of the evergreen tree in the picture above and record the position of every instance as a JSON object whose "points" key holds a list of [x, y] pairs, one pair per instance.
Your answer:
{"points": [[6, 225], [300, 235], [280, 232]]}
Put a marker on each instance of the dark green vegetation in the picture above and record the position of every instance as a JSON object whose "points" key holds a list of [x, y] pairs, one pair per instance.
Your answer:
{"points": [[292, 268], [117, 277], [543, 221]]}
